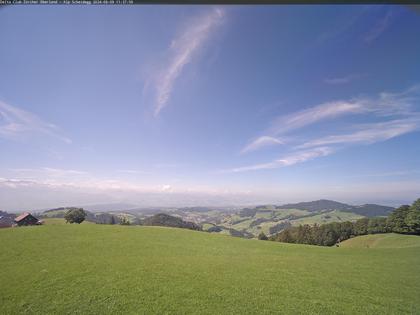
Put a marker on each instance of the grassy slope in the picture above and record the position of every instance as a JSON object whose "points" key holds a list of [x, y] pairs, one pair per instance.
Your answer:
{"points": [[323, 218], [389, 240], [277, 216], [97, 269]]}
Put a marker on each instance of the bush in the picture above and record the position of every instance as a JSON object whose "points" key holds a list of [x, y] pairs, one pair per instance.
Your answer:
{"points": [[262, 237], [124, 221]]}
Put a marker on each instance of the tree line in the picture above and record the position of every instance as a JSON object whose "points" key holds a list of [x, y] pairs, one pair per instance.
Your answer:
{"points": [[405, 220], [78, 215]]}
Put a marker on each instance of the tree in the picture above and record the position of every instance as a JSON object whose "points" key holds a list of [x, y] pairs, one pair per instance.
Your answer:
{"points": [[124, 221], [76, 215], [397, 220], [285, 236], [112, 221], [412, 219], [377, 225], [361, 226], [262, 237]]}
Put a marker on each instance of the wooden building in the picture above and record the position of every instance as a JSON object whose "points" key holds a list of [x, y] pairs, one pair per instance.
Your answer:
{"points": [[26, 219]]}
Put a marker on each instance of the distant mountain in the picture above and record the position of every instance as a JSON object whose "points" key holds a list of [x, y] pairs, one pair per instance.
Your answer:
{"points": [[369, 210], [162, 219]]}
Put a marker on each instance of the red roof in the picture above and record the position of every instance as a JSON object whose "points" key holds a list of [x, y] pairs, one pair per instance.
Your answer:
{"points": [[22, 216]]}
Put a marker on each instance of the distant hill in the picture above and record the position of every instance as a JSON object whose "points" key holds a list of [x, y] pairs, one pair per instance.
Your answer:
{"points": [[162, 219], [371, 210], [368, 210]]}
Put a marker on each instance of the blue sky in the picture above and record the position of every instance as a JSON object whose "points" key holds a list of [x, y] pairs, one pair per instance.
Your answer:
{"points": [[205, 105]]}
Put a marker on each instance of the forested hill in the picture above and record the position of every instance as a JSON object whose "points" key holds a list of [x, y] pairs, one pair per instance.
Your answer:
{"points": [[369, 210], [162, 219]]}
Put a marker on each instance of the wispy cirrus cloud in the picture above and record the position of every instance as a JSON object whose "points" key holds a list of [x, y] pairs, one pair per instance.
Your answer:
{"points": [[370, 133], [393, 113], [380, 26], [343, 80], [384, 105], [288, 123], [181, 52], [16, 122], [288, 160], [329, 110], [261, 142]]}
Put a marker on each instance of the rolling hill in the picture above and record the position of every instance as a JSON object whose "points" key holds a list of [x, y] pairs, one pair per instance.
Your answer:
{"points": [[108, 269], [388, 240], [247, 222]]}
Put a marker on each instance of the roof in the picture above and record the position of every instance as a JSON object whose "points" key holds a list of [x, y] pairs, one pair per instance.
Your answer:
{"points": [[22, 216]]}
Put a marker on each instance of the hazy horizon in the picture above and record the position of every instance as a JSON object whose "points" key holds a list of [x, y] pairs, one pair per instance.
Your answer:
{"points": [[208, 105]]}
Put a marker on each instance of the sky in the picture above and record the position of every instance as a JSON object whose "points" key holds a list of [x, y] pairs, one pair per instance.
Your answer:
{"points": [[208, 105]]}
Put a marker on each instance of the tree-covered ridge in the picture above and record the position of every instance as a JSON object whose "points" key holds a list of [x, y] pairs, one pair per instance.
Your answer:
{"points": [[369, 210], [162, 219], [404, 220]]}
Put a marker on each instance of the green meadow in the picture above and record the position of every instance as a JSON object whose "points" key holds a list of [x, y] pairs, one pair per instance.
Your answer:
{"points": [[104, 269], [388, 240]]}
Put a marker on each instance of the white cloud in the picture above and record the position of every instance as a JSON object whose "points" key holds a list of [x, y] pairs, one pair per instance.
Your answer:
{"points": [[68, 178], [16, 122], [292, 159], [261, 142], [182, 50], [285, 124], [370, 133]]}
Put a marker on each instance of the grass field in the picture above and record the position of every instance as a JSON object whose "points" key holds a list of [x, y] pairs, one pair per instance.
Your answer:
{"points": [[101, 269], [389, 240]]}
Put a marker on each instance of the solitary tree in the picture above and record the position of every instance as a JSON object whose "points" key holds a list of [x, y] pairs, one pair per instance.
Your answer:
{"points": [[124, 221], [77, 215]]}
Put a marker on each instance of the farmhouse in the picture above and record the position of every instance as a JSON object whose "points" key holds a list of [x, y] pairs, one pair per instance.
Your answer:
{"points": [[6, 221], [27, 219]]}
